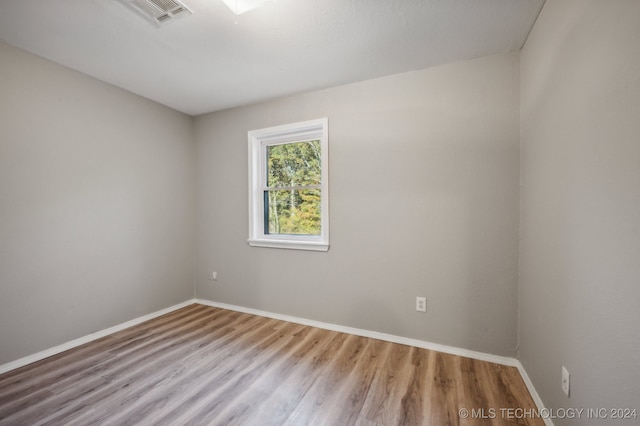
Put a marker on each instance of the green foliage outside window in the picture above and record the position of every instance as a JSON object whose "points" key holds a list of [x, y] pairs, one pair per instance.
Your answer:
{"points": [[292, 197]]}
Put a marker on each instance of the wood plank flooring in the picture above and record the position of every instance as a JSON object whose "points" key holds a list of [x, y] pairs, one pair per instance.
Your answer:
{"points": [[208, 366]]}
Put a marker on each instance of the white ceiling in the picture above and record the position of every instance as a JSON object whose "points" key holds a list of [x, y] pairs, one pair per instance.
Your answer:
{"points": [[207, 62]]}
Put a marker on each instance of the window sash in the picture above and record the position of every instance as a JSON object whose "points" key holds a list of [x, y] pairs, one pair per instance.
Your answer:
{"points": [[259, 141], [308, 210]]}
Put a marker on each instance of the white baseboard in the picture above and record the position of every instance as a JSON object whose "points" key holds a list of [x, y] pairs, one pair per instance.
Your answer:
{"points": [[533, 392], [88, 338], [511, 362]]}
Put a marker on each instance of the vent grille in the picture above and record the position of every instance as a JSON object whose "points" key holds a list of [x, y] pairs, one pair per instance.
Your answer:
{"points": [[166, 5], [160, 11]]}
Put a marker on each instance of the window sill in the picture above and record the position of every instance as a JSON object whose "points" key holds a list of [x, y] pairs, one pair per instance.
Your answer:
{"points": [[291, 245]]}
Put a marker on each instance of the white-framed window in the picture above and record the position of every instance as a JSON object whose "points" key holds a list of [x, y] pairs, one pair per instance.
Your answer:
{"points": [[288, 186]]}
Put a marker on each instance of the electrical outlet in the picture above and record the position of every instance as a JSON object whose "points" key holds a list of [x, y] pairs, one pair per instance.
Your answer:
{"points": [[421, 304], [565, 381], [213, 276]]}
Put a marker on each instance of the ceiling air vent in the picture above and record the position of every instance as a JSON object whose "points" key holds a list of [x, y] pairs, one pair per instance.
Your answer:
{"points": [[160, 11]]}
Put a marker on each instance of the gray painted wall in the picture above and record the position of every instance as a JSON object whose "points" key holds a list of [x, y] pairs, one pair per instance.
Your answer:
{"points": [[424, 202], [580, 250], [96, 205]]}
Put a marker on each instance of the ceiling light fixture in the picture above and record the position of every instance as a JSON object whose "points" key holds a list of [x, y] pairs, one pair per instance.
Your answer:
{"points": [[241, 6]]}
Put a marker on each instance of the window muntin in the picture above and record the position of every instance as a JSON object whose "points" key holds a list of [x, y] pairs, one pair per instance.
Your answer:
{"points": [[288, 193]]}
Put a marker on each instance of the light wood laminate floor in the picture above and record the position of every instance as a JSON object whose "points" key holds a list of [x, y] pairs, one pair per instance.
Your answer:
{"points": [[208, 366]]}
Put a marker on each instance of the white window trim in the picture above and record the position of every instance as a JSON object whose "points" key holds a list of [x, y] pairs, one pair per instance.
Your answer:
{"points": [[258, 141]]}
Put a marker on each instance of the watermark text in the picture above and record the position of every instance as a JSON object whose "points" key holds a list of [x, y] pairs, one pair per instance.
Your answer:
{"points": [[549, 413]]}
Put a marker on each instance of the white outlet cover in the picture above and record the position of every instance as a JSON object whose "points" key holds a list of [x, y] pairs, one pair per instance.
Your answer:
{"points": [[565, 381]]}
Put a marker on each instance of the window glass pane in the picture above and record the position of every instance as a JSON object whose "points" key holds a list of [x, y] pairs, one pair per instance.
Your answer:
{"points": [[295, 212], [293, 164]]}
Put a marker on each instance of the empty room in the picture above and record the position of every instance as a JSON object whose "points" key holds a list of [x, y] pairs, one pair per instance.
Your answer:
{"points": [[320, 212]]}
